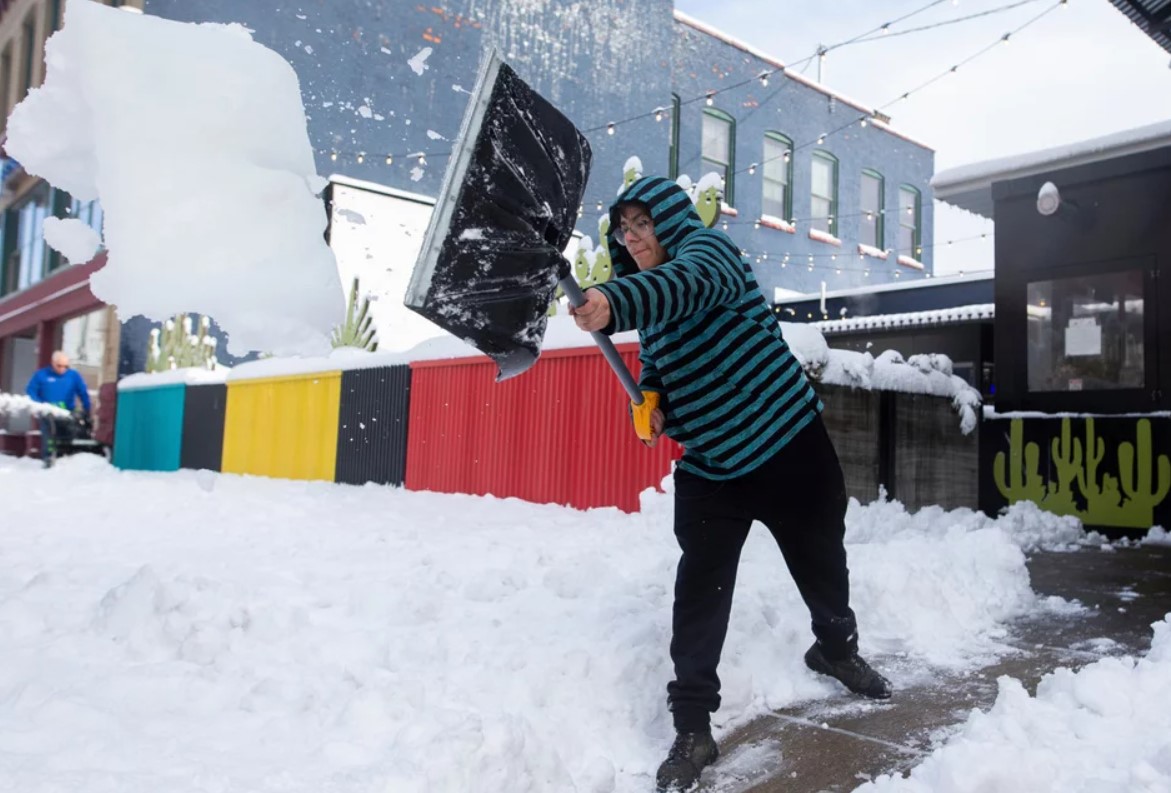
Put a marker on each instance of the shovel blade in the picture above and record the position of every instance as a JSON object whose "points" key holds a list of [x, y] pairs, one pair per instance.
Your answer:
{"points": [[492, 255]]}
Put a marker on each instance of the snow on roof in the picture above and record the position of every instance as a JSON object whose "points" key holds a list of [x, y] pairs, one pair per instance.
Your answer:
{"points": [[801, 297], [707, 29], [380, 188], [940, 316], [970, 186]]}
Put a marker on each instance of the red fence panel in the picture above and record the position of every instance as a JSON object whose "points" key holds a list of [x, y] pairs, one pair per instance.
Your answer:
{"points": [[559, 433]]}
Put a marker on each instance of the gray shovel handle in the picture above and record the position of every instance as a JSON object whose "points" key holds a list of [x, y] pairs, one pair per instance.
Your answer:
{"points": [[577, 299]]}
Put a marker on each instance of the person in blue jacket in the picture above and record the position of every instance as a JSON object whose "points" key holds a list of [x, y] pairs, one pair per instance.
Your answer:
{"points": [[718, 378], [58, 385]]}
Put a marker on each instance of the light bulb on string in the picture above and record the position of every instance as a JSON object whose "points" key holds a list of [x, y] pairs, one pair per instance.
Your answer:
{"points": [[600, 207], [710, 98], [361, 157], [333, 156], [863, 122], [658, 114], [886, 28], [764, 79], [1005, 37], [725, 225], [787, 155], [422, 159], [389, 159], [752, 169], [821, 139], [610, 128], [756, 226]]}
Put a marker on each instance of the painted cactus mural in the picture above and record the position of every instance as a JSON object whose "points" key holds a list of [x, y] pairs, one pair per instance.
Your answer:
{"points": [[1081, 486]]}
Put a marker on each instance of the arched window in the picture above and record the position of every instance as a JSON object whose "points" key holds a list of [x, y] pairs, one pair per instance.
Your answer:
{"points": [[872, 228], [823, 204], [719, 149], [777, 177]]}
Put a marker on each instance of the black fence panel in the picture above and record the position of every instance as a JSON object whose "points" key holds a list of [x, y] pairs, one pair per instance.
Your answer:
{"points": [[934, 462], [203, 426], [372, 425], [851, 418]]}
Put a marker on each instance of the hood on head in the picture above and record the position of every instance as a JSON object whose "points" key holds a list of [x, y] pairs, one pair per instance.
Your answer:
{"points": [[671, 211]]}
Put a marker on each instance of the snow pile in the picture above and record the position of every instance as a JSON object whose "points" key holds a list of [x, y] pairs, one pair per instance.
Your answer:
{"points": [[920, 374], [189, 375], [19, 403], [72, 238], [1103, 728], [194, 139], [306, 636]]}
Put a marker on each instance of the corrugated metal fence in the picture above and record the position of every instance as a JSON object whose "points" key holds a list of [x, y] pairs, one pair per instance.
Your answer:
{"points": [[561, 433]]}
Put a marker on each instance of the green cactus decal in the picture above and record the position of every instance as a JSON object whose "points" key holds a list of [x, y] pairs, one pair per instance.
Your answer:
{"points": [[1142, 494], [358, 330], [1024, 483], [1126, 501], [176, 345]]}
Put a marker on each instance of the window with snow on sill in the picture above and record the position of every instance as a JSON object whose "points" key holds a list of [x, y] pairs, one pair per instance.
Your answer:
{"points": [[823, 236], [907, 261], [772, 222], [870, 250]]}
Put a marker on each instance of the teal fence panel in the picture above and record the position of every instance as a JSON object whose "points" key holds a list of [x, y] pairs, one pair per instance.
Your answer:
{"points": [[149, 433]]}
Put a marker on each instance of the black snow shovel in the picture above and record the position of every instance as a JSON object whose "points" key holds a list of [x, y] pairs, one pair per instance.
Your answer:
{"points": [[492, 256]]}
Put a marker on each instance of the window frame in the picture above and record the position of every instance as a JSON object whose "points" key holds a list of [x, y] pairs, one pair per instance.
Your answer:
{"points": [[28, 43], [832, 221], [879, 211], [730, 166], [673, 140], [917, 216], [787, 202]]}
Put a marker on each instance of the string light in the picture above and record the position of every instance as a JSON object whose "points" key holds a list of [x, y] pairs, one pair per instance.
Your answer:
{"points": [[752, 169], [390, 159], [764, 79], [710, 98], [610, 128], [361, 157], [333, 156], [422, 158], [658, 114]]}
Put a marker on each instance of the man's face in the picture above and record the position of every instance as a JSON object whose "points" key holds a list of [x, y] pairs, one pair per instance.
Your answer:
{"points": [[640, 237], [60, 365]]}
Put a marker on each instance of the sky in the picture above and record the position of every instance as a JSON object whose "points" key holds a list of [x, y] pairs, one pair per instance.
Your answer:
{"points": [[196, 631], [1080, 72]]}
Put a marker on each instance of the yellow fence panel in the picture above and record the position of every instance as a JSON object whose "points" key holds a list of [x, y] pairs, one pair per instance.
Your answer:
{"points": [[283, 427]]}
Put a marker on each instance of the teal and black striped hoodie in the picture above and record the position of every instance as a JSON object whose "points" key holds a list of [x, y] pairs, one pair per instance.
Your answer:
{"points": [[732, 392]]}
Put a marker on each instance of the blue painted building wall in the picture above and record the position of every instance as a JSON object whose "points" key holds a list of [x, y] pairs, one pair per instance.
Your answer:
{"points": [[599, 61]]}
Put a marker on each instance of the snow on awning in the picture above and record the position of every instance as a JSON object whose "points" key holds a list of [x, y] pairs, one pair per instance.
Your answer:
{"points": [[970, 186], [909, 319]]}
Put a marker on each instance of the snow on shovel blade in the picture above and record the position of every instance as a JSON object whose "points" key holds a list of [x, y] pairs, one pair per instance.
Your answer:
{"points": [[492, 255]]}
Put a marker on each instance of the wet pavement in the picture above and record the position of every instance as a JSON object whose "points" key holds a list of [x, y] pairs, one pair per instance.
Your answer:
{"points": [[839, 743]]}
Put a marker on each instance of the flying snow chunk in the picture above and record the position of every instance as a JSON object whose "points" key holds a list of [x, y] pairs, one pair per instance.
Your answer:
{"points": [[418, 63], [72, 238], [204, 171]]}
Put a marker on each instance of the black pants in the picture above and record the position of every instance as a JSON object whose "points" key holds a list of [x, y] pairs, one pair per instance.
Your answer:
{"points": [[800, 495]]}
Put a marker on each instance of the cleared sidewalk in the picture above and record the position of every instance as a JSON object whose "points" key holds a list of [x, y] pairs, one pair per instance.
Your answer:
{"points": [[837, 744]]}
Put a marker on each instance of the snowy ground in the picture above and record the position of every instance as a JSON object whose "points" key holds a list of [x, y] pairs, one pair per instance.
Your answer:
{"points": [[200, 632]]}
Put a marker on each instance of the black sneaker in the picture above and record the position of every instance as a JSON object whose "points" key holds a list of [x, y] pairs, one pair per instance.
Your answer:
{"points": [[854, 673], [688, 756]]}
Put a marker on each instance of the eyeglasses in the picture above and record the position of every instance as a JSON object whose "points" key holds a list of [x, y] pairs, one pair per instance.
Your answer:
{"points": [[641, 228]]}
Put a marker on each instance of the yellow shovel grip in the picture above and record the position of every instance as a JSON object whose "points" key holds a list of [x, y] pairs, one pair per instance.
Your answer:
{"points": [[642, 414]]}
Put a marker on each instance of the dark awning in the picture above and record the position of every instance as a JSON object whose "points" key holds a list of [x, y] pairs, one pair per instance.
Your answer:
{"points": [[1153, 16]]}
